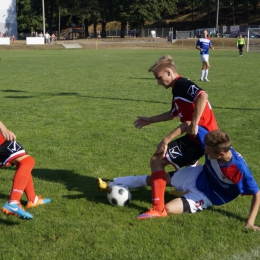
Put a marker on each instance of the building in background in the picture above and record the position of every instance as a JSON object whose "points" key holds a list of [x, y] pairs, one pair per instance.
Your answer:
{"points": [[8, 21]]}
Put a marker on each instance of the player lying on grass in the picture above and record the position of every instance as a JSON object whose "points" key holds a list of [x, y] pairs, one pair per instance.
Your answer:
{"points": [[189, 103], [223, 177], [12, 153]]}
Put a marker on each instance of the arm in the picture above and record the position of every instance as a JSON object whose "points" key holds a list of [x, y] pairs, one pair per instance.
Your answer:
{"points": [[211, 47], [8, 135], [144, 121], [250, 223], [163, 145], [200, 104], [198, 48]]}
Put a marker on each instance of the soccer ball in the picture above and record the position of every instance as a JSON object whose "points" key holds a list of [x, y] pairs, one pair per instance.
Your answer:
{"points": [[118, 195]]}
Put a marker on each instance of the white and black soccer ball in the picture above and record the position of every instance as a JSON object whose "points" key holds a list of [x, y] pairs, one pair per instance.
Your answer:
{"points": [[118, 195]]}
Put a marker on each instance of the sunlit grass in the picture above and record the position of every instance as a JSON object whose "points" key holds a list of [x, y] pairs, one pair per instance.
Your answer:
{"points": [[73, 111]]}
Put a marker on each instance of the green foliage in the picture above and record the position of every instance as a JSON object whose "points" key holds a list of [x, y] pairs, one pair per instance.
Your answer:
{"points": [[73, 111], [27, 17]]}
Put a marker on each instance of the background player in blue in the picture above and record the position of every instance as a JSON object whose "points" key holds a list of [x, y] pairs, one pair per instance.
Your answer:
{"points": [[203, 45], [224, 176]]}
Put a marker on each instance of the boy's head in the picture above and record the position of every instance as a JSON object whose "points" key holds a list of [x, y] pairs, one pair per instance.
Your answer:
{"points": [[164, 71], [217, 143], [205, 33], [164, 63]]}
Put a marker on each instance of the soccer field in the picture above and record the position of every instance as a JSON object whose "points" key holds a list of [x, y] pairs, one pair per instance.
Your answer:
{"points": [[73, 111]]}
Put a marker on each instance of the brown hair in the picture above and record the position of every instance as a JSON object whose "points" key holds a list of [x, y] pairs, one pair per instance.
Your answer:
{"points": [[218, 140], [165, 62]]}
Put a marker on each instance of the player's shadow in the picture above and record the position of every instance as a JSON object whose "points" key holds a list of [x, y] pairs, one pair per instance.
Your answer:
{"points": [[229, 214], [81, 187], [85, 186]]}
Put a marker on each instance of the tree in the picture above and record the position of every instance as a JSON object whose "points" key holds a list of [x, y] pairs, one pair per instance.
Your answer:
{"points": [[143, 11], [27, 18]]}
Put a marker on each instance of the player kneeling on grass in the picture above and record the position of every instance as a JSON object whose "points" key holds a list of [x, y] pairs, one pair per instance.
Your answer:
{"points": [[223, 177], [12, 153]]}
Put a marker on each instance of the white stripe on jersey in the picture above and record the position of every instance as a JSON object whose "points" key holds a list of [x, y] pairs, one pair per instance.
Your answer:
{"points": [[204, 40], [218, 172]]}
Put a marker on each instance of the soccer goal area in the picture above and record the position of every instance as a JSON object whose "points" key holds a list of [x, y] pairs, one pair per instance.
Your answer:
{"points": [[253, 39]]}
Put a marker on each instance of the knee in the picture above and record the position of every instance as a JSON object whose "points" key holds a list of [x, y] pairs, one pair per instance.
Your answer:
{"points": [[152, 160], [155, 160], [28, 160], [167, 208]]}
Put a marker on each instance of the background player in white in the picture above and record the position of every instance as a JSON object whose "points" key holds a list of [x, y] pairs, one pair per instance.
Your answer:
{"points": [[224, 176], [203, 45]]}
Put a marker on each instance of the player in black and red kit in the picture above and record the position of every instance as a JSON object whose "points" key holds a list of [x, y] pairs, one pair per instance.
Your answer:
{"points": [[190, 103], [12, 153]]}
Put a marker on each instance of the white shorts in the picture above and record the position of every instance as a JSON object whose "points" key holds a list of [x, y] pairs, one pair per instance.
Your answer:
{"points": [[204, 57], [185, 180]]}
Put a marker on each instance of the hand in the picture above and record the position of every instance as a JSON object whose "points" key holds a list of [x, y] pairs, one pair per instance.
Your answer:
{"points": [[141, 122], [247, 225], [8, 135], [192, 129]]}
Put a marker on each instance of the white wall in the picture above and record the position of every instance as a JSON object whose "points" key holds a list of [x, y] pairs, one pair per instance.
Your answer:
{"points": [[5, 41], [35, 40], [8, 22]]}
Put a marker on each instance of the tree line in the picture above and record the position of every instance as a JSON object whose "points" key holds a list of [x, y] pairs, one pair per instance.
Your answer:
{"points": [[132, 13]]}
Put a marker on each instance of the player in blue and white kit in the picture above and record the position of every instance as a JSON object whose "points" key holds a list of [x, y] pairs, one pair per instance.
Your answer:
{"points": [[224, 176], [203, 45]]}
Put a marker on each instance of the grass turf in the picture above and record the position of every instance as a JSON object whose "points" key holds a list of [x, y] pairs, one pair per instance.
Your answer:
{"points": [[73, 111]]}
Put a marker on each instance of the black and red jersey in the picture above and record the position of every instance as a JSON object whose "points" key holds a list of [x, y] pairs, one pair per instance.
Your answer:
{"points": [[185, 93]]}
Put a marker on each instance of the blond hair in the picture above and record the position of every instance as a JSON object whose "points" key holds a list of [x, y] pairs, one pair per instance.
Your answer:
{"points": [[165, 62], [218, 140]]}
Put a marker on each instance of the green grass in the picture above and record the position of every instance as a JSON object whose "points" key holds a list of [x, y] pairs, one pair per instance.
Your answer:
{"points": [[73, 111]]}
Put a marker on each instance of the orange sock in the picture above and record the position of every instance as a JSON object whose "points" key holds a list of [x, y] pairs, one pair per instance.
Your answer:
{"points": [[29, 189], [158, 189], [22, 178]]}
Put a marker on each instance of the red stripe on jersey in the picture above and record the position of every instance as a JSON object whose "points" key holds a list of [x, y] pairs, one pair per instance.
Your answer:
{"points": [[232, 173], [2, 139]]}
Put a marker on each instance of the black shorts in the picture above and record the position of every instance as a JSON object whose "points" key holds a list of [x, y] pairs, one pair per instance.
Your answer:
{"points": [[10, 150], [240, 46], [183, 151]]}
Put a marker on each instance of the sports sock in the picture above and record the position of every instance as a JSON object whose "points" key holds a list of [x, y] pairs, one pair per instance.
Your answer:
{"points": [[158, 189], [202, 74], [206, 74], [131, 181], [22, 178], [29, 190]]}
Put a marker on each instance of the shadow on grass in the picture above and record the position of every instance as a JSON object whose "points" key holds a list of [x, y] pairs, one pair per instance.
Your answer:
{"points": [[86, 187], [228, 214], [65, 94], [111, 98], [83, 186]]}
